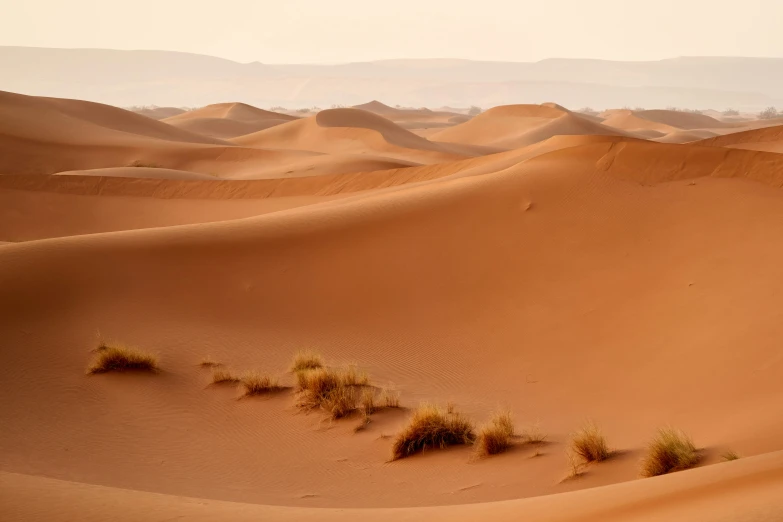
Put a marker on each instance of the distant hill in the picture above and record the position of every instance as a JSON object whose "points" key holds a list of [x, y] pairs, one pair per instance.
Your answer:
{"points": [[167, 78]]}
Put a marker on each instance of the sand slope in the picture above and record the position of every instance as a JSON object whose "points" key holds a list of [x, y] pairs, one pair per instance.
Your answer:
{"points": [[227, 120], [352, 131], [515, 126], [617, 240], [768, 139]]}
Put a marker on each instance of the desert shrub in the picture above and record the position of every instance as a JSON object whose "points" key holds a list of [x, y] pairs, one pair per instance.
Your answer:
{"points": [[118, 358], [368, 401], [533, 434], [590, 444], [495, 436], [730, 455], [209, 362], [351, 376], [768, 113], [670, 451], [431, 427], [224, 376], [731, 112], [389, 399], [256, 383], [326, 388], [149, 165], [306, 360], [474, 111], [589, 111]]}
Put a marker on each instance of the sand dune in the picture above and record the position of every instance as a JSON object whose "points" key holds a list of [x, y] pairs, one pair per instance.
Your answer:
{"points": [[352, 131], [529, 258], [664, 121], [159, 113], [515, 126], [228, 120], [768, 139], [686, 136]]}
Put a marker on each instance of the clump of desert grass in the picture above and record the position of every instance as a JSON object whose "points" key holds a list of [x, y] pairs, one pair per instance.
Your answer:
{"points": [[337, 391], [306, 360], [589, 444], [120, 358], [255, 383], [389, 398], [671, 450], [224, 376], [209, 362], [496, 436], [533, 434], [730, 455], [431, 427]]}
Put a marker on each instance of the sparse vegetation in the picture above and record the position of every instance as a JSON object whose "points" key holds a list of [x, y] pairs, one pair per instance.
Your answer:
{"points": [[769, 113], [495, 437], [119, 358], [256, 383], [589, 111], [224, 376], [306, 360], [671, 450], [208, 362], [575, 465], [389, 399], [589, 444], [431, 427], [474, 111], [336, 391], [730, 455], [368, 401], [149, 165], [730, 112], [533, 434]]}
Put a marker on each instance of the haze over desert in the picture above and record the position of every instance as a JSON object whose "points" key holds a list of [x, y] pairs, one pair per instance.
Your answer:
{"points": [[395, 289]]}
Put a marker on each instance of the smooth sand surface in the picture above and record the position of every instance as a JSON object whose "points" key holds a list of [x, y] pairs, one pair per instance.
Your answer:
{"points": [[227, 120], [592, 275]]}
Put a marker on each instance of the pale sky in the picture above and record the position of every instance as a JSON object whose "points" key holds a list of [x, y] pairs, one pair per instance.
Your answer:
{"points": [[323, 31]]}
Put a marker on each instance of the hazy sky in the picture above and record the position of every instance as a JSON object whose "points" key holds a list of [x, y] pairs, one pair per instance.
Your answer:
{"points": [[312, 31]]}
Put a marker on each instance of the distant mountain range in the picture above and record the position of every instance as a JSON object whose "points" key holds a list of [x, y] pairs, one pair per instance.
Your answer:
{"points": [[166, 78]]}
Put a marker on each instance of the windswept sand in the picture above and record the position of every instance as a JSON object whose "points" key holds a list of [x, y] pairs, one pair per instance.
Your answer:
{"points": [[531, 259]]}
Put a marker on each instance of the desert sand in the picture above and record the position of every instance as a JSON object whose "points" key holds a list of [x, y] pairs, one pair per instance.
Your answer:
{"points": [[561, 266]]}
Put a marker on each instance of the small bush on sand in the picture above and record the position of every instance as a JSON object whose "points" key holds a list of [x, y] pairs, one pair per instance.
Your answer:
{"points": [[533, 434], [730, 455], [118, 358], [368, 401], [389, 398], [326, 388], [431, 427], [590, 444], [208, 362], [351, 376], [256, 383], [495, 437], [224, 376], [670, 451], [306, 360], [143, 164]]}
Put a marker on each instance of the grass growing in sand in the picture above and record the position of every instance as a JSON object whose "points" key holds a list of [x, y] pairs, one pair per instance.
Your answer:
{"points": [[208, 362], [224, 376], [671, 450], [495, 436], [589, 444], [431, 427], [334, 390], [256, 383], [118, 358], [730, 455], [306, 360], [533, 434], [142, 164]]}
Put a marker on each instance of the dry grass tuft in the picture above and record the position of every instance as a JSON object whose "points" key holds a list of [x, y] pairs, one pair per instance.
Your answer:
{"points": [[208, 362], [730, 455], [118, 358], [326, 388], [389, 399], [575, 465], [351, 376], [450, 407], [259, 384], [431, 427], [368, 401], [533, 434], [671, 450], [495, 437], [590, 444], [224, 376], [306, 360]]}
